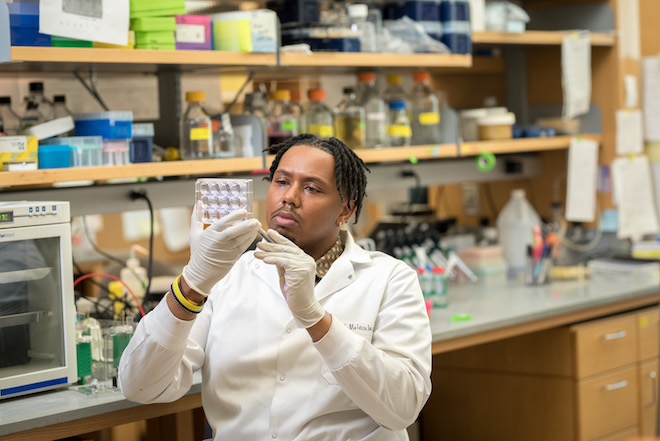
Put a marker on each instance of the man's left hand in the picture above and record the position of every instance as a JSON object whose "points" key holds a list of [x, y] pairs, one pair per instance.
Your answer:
{"points": [[297, 272]]}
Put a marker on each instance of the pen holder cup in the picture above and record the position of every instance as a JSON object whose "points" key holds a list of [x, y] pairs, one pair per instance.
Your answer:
{"points": [[537, 271]]}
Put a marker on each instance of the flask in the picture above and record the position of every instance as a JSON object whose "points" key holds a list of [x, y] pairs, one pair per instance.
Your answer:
{"points": [[135, 277], [60, 110], [282, 121], [223, 136], [255, 104], [398, 127], [440, 286], [10, 122], [297, 110], [515, 225], [349, 120], [394, 89], [36, 96], [366, 31], [196, 140], [375, 110], [318, 117], [425, 110]]}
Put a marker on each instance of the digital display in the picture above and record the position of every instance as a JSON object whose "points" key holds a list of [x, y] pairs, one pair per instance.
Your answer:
{"points": [[6, 217]]}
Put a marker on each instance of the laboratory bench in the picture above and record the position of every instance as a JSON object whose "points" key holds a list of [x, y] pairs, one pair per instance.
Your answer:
{"points": [[487, 311]]}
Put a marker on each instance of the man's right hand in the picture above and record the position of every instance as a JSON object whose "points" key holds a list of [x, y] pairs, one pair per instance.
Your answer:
{"points": [[214, 250]]}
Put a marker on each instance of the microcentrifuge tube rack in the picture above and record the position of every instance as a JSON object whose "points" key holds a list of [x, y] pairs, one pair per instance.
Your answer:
{"points": [[217, 197]]}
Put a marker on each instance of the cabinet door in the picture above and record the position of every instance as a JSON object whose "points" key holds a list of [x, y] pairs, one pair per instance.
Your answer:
{"points": [[648, 327], [624, 435], [607, 403], [648, 384], [605, 344]]}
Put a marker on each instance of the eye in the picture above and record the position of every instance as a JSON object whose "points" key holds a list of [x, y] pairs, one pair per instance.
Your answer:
{"points": [[312, 189], [280, 181]]}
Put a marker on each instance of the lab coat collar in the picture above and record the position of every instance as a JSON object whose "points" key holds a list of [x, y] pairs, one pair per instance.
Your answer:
{"points": [[340, 274]]}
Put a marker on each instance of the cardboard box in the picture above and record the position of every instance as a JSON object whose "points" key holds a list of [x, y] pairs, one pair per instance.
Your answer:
{"points": [[18, 149]]}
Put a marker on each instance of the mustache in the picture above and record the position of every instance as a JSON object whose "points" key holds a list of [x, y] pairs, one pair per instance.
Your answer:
{"points": [[287, 211]]}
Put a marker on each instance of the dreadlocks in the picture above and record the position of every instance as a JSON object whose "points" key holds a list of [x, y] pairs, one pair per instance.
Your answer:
{"points": [[349, 168]]}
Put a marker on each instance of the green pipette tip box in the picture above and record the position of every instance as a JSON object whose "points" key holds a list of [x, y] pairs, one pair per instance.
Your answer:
{"points": [[151, 24]]}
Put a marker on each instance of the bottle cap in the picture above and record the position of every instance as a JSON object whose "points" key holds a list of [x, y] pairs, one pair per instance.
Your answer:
{"points": [[394, 79], [348, 90], [398, 105], [295, 95], [367, 77], [316, 94], [358, 11], [5, 100], [37, 87], [421, 77], [281, 95], [195, 96]]}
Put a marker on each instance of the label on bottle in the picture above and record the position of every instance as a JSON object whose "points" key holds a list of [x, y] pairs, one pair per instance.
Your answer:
{"points": [[429, 118], [199, 134], [400, 130], [376, 116], [290, 125], [324, 131]]}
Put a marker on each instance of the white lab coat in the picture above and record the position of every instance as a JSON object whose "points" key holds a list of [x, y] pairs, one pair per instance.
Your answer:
{"points": [[263, 378]]}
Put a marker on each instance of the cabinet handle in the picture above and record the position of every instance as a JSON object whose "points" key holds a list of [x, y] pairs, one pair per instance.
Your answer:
{"points": [[615, 335], [618, 385], [654, 386]]}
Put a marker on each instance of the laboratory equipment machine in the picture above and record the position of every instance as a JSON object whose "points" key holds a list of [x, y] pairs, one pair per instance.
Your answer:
{"points": [[37, 335]]}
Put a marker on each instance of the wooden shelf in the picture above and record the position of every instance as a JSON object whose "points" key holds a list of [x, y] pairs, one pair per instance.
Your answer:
{"points": [[46, 58], [144, 170], [362, 59], [255, 165], [521, 145], [533, 38]]}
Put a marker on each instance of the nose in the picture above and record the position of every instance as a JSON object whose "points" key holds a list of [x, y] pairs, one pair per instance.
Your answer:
{"points": [[291, 196]]}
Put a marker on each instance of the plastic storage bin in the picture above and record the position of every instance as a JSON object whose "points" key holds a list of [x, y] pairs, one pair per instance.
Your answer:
{"points": [[109, 125], [142, 143], [24, 25], [193, 32], [496, 126], [54, 156], [116, 151], [85, 150]]}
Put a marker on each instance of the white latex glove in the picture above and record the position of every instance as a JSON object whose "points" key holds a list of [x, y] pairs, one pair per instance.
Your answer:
{"points": [[214, 250], [297, 272]]}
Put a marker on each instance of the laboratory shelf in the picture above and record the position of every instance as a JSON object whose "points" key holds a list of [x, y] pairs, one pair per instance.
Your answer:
{"points": [[256, 165], [363, 59], [537, 38], [23, 318], [47, 58], [521, 145], [43, 58], [146, 170]]}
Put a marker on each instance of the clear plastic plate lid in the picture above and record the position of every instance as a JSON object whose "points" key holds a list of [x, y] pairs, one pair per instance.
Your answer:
{"points": [[217, 197]]}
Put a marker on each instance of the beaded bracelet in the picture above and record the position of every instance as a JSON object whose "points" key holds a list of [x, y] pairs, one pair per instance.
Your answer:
{"points": [[183, 301]]}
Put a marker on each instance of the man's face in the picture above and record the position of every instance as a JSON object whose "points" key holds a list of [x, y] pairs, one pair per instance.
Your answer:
{"points": [[303, 203]]}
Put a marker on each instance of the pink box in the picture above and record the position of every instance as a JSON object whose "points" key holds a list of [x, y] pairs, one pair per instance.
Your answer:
{"points": [[193, 32]]}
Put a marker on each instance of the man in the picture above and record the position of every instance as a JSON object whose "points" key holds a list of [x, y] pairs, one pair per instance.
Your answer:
{"points": [[309, 337]]}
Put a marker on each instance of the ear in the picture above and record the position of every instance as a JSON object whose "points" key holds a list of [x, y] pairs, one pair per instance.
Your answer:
{"points": [[346, 212]]}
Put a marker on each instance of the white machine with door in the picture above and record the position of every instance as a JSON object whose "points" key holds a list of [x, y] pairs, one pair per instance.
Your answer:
{"points": [[37, 312]]}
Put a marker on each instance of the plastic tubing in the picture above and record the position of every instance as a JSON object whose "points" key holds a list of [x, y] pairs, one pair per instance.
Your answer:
{"points": [[108, 276]]}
